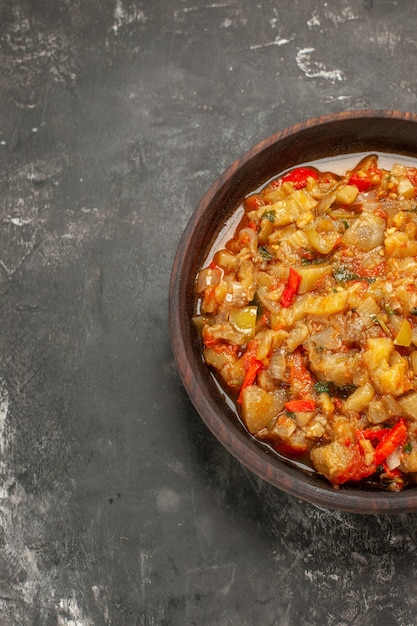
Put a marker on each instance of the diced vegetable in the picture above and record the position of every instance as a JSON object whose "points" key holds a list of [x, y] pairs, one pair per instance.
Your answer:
{"points": [[346, 194], [360, 398], [340, 462], [208, 277], [260, 407], [322, 242], [366, 232], [311, 275], [244, 320], [404, 335], [408, 405]]}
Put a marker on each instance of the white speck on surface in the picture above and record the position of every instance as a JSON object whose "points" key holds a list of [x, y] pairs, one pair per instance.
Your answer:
{"points": [[308, 574], [145, 572], [385, 39], [227, 23], [69, 614], [314, 20], [316, 69], [100, 597], [18, 221], [274, 21], [278, 41], [4, 409], [344, 15], [123, 17]]}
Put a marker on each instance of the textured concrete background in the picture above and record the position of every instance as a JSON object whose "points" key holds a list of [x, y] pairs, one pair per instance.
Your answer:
{"points": [[117, 506]]}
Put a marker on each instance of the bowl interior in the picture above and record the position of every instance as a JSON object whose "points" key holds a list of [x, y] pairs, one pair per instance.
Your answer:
{"points": [[329, 136]]}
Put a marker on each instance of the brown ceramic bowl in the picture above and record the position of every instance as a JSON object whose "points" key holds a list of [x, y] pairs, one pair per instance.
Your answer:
{"points": [[327, 136]]}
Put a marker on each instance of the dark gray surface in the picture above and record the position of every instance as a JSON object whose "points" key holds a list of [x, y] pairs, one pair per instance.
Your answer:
{"points": [[116, 505]]}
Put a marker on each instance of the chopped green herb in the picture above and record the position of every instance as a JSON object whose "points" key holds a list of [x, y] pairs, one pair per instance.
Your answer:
{"points": [[408, 447], [345, 224], [290, 414], [269, 215], [322, 387], [333, 390], [414, 311], [343, 275], [265, 254]]}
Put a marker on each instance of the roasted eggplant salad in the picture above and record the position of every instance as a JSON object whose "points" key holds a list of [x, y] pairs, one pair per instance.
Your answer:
{"points": [[308, 318]]}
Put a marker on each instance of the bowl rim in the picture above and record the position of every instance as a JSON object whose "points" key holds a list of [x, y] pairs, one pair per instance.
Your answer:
{"points": [[278, 473]]}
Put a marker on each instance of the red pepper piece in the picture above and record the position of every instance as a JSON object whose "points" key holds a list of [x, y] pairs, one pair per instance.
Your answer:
{"points": [[252, 202], [301, 381], [374, 436], [291, 288], [385, 440], [250, 353], [300, 405], [394, 437], [298, 177], [250, 377], [363, 183]]}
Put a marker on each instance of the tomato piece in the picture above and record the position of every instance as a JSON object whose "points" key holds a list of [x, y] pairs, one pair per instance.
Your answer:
{"points": [[291, 288], [301, 381], [250, 377], [252, 366], [299, 176], [394, 437], [250, 353], [364, 180], [253, 202], [300, 405], [385, 440]]}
